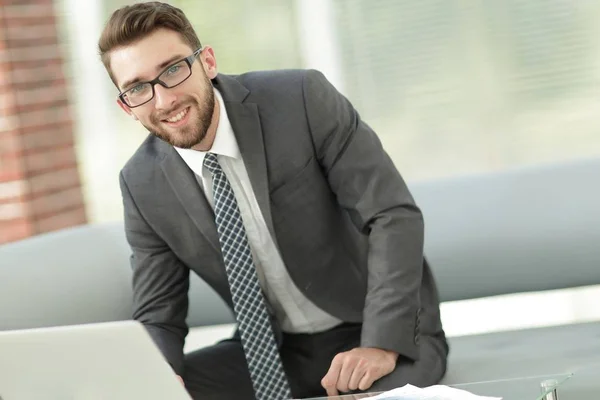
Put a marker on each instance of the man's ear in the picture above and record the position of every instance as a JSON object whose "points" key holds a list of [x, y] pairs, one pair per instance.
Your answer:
{"points": [[209, 62], [125, 108]]}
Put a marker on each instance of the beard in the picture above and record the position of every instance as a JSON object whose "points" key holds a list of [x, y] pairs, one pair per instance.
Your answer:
{"points": [[197, 127]]}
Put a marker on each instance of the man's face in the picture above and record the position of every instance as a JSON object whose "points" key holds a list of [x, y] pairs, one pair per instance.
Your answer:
{"points": [[180, 115]]}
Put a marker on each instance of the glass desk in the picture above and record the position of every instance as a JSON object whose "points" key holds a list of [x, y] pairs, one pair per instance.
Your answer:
{"points": [[529, 388], [584, 385], [576, 383]]}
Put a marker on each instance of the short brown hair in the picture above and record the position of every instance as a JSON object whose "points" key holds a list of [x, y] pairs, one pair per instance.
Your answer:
{"points": [[132, 23]]}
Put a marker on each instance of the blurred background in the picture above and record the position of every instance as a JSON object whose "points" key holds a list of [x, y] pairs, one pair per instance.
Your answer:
{"points": [[453, 87]]}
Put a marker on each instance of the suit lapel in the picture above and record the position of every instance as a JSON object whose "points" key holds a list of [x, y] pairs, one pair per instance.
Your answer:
{"points": [[245, 122], [191, 196]]}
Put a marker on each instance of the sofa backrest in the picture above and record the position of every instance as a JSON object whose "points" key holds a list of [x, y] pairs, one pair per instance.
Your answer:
{"points": [[81, 275], [517, 231], [524, 230]]}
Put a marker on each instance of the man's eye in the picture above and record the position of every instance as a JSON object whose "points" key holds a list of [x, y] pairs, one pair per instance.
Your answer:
{"points": [[136, 89], [174, 69]]}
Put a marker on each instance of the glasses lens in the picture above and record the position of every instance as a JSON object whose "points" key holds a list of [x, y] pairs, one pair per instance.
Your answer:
{"points": [[176, 74], [138, 94]]}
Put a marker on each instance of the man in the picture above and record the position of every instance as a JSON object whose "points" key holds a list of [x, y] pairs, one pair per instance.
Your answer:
{"points": [[270, 187]]}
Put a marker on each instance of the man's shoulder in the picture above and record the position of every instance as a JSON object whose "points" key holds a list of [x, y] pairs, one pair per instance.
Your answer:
{"points": [[277, 86], [271, 77], [276, 80]]}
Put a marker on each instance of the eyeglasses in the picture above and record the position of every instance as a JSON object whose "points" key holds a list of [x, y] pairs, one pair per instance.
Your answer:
{"points": [[173, 75]]}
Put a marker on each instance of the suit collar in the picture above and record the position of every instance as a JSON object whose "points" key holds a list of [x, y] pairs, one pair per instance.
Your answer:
{"points": [[230, 88]]}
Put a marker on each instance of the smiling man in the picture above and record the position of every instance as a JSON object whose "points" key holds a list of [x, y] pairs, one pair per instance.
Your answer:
{"points": [[270, 187]]}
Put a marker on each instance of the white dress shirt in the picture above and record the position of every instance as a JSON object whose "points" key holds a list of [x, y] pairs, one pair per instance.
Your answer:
{"points": [[294, 312]]}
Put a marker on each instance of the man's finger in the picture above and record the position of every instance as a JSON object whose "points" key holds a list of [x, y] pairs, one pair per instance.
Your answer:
{"points": [[359, 371], [329, 381], [366, 381], [348, 367]]}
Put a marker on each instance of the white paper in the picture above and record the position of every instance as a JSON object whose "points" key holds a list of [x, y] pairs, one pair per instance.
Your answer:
{"points": [[436, 392]]}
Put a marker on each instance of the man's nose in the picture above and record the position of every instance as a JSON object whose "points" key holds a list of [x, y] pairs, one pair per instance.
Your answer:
{"points": [[164, 98]]}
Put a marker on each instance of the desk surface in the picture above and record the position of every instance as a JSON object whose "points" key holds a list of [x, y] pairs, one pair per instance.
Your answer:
{"points": [[580, 383]]}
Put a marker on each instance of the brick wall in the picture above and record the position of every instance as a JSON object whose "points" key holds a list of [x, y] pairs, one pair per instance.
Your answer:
{"points": [[40, 188]]}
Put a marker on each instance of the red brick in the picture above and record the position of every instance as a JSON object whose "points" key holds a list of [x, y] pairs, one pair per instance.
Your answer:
{"points": [[36, 82], [25, 130], [43, 94], [35, 54], [9, 176], [24, 10], [56, 203], [32, 42], [33, 32], [7, 103], [51, 136], [18, 194], [15, 230], [40, 118], [28, 197], [8, 122], [14, 189], [8, 110], [40, 106], [63, 220], [30, 76], [54, 180], [27, 21], [15, 67], [12, 211], [11, 167], [11, 200], [49, 159], [10, 142]]}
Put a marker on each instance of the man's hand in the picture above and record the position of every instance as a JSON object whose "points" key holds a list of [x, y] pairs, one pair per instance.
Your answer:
{"points": [[180, 380], [358, 369]]}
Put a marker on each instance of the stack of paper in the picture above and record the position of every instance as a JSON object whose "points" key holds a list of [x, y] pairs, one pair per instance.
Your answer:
{"points": [[437, 392]]}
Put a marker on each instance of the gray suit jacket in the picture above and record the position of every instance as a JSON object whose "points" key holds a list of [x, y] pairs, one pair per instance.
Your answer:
{"points": [[346, 225]]}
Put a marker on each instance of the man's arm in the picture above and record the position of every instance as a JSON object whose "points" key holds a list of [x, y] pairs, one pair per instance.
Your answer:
{"points": [[160, 284], [369, 187]]}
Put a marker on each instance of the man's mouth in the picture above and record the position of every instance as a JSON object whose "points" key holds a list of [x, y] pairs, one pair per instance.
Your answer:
{"points": [[178, 117]]}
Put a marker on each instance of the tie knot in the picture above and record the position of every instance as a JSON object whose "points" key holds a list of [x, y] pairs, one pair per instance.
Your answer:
{"points": [[211, 163]]}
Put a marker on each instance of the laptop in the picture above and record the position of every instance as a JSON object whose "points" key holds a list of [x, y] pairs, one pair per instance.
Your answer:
{"points": [[102, 361]]}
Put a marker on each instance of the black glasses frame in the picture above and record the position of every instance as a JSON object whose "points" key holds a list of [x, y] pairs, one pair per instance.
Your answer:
{"points": [[189, 60]]}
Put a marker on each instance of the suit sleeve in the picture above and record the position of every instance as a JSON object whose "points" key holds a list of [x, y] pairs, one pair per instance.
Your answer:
{"points": [[160, 284], [369, 187]]}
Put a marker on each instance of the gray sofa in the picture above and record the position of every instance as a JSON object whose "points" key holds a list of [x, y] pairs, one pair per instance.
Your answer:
{"points": [[525, 230], [518, 231]]}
